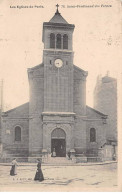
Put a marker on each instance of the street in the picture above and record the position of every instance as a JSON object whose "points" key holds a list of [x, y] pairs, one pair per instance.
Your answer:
{"points": [[62, 178]]}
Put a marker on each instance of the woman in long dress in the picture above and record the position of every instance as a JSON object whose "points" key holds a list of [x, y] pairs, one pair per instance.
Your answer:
{"points": [[13, 170], [39, 175]]}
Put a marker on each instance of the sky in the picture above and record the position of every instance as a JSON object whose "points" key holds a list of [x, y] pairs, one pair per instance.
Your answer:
{"points": [[96, 41]]}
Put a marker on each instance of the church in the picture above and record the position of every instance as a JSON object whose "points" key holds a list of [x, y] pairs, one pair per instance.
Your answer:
{"points": [[56, 116]]}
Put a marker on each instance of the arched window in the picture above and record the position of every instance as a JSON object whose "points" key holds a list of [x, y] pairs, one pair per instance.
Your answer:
{"points": [[52, 40], [92, 135], [58, 41], [17, 133], [65, 42]]}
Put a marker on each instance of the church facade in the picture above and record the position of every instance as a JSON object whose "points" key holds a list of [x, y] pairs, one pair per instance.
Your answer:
{"points": [[56, 117]]}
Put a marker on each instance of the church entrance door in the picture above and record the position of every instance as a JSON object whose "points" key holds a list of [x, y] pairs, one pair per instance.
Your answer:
{"points": [[58, 142], [60, 147]]}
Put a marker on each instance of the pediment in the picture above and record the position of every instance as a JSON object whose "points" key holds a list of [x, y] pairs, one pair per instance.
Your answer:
{"points": [[37, 71], [80, 73]]}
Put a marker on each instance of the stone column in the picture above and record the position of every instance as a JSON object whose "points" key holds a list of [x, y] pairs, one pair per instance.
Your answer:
{"points": [[44, 136], [61, 41]]}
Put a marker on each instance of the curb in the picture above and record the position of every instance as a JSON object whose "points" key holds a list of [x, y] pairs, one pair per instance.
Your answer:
{"points": [[75, 164]]}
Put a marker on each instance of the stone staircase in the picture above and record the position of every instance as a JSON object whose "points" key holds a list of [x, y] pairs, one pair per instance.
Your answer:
{"points": [[58, 161]]}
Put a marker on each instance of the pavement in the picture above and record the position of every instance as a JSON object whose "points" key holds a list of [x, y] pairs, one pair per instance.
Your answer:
{"points": [[98, 177]]}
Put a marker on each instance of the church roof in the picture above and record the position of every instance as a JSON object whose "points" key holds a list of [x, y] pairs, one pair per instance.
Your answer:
{"points": [[36, 67], [81, 70], [57, 18], [22, 109], [100, 113], [57, 21]]}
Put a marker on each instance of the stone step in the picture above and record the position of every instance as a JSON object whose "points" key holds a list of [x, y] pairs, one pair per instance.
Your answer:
{"points": [[57, 160]]}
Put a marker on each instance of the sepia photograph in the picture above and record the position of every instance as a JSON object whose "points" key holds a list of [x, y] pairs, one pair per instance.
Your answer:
{"points": [[60, 95]]}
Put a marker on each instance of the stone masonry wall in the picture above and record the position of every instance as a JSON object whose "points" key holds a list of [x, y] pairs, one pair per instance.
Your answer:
{"points": [[16, 117], [36, 82]]}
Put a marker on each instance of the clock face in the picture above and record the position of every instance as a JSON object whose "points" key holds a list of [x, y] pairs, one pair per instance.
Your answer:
{"points": [[58, 63]]}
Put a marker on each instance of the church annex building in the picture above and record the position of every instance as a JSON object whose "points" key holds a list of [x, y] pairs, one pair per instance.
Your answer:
{"points": [[56, 117]]}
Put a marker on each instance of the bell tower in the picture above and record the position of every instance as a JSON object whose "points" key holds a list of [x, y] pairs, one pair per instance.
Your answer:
{"points": [[58, 115], [58, 64]]}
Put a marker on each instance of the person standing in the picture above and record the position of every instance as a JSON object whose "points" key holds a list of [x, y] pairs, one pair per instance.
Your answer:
{"points": [[54, 153], [39, 175], [13, 170]]}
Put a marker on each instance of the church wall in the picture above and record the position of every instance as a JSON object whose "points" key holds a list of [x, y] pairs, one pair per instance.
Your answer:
{"points": [[80, 135], [37, 98], [100, 134], [36, 90], [94, 120], [10, 146], [79, 104], [79, 96], [10, 119], [79, 93], [35, 136], [36, 81]]}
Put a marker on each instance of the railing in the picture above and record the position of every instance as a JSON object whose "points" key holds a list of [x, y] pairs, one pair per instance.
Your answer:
{"points": [[93, 159]]}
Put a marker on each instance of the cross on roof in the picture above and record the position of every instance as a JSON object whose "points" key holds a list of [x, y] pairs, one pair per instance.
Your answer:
{"points": [[57, 6], [57, 9]]}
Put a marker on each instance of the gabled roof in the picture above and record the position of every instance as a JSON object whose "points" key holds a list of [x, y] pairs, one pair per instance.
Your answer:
{"points": [[35, 67], [57, 18], [79, 69], [100, 113], [13, 109], [57, 21]]}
